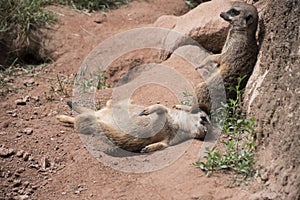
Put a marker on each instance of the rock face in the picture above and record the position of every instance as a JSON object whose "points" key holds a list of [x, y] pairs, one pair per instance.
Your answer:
{"points": [[272, 97]]}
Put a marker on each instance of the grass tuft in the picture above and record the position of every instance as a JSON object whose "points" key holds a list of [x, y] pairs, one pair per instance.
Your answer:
{"points": [[235, 152]]}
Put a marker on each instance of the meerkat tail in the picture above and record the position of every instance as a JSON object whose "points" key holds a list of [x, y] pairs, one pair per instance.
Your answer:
{"points": [[65, 119]]}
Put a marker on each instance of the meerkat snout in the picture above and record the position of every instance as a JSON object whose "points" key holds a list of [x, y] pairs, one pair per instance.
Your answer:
{"points": [[229, 14]]}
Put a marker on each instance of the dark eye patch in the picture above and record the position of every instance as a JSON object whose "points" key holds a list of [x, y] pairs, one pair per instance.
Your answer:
{"points": [[249, 19], [203, 120], [233, 12]]}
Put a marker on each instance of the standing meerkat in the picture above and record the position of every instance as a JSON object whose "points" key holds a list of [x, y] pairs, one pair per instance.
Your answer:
{"points": [[167, 127], [239, 53]]}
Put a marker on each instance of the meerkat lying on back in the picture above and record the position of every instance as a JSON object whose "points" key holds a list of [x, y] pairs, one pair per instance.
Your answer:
{"points": [[168, 127], [239, 53]]}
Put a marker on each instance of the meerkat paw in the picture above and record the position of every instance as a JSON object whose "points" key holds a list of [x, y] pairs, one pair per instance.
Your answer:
{"points": [[154, 147], [156, 108], [146, 111]]}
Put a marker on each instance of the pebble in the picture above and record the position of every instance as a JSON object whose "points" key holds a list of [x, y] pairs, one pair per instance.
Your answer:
{"points": [[26, 98], [26, 183], [6, 152], [45, 163], [17, 183], [26, 156], [23, 197], [20, 153], [20, 102], [20, 170], [34, 166], [28, 131], [29, 83]]}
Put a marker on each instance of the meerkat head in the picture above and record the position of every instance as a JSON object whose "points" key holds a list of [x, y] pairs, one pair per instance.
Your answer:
{"points": [[200, 122], [241, 16]]}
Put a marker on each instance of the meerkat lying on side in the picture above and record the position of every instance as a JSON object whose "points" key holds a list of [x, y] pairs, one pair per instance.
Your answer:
{"points": [[168, 127], [239, 53]]}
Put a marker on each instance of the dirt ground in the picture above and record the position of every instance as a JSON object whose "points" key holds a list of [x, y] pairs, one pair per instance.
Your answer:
{"points": [[42, 159]]}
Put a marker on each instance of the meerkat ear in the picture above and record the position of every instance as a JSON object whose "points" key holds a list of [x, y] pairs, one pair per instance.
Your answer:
{"points": [[249, 19]]}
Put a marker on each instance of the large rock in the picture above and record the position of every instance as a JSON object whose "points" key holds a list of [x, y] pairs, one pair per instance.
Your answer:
{"points": [[272, 97], [203, 24]]}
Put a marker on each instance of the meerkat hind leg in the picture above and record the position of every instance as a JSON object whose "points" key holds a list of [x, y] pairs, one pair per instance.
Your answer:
{"points": [[154, 147]]}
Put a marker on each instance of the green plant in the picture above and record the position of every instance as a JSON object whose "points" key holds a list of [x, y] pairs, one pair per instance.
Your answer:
{"points": [[236, 149], [20, 22], [63, 85], [187, 98], [89, 4], [102, 79], [96, 79]]}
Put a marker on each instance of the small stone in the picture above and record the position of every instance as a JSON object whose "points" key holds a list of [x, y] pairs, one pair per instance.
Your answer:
{"points": [[284, 180], [36, 98], [31, 158], [77, 192], [63, 193], [5, 124], [20, 102], [34, 166], [20, 170], [116, 163], [26, 183], [28, 131], [45, 163], [26, 156], [23, 197], [26, 98], [264, 176], [17, 183], [10, 112], [5, 152], [29, 83], [44, 183], [34, 187]]}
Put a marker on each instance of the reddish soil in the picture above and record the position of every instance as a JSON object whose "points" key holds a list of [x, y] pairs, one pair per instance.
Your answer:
{"points": [[49, 161]]}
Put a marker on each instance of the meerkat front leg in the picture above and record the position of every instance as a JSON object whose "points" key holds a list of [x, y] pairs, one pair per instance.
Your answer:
{"points": [[157, 108], [154, 147], [208, 60]]}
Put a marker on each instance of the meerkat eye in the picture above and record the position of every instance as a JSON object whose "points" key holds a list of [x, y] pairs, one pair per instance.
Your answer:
{"points": [[249, 19], [233, 12], [203, 120]]}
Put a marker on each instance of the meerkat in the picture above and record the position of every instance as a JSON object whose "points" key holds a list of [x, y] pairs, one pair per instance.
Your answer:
{"points": [[168, 127], [239, 53]]}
